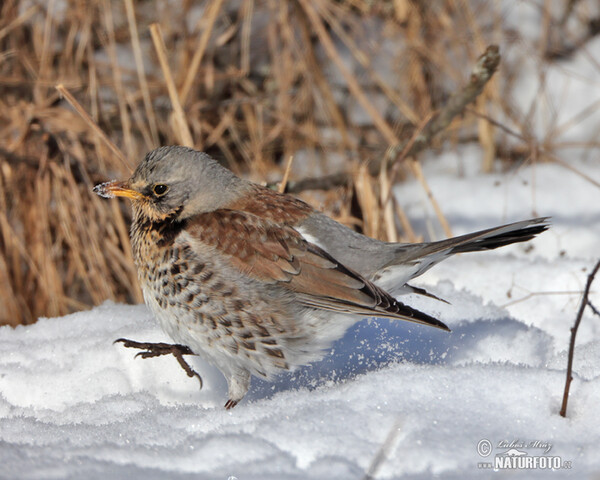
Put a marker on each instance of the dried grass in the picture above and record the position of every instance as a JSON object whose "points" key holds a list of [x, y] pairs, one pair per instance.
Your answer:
{"points": [[253, 83]]}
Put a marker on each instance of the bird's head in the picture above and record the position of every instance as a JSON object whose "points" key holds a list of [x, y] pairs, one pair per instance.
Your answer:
{"points": [[176, 182]]}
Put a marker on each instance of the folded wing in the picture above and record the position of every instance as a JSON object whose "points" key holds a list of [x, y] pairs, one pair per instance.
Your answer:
{"points": [[279, 255]]}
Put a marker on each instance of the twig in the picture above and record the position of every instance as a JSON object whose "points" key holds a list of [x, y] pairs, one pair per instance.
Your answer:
{"points": [[383, 451], [161, 52], [485, 67], [536, 294], [482, 72], [540, 149], [594, 309], [584, 303]]}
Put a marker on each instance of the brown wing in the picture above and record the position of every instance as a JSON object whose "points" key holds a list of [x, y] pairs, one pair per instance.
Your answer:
{"points": [[278, 254]]}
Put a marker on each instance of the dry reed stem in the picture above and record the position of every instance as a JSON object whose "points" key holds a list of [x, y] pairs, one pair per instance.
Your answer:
{"points": [[418, 172], [20, 20], [44, 59], [353, 84], [389, 221], [409, 233], [286, 174], [365, 61], [139, 64], [367, 199], [281, 68], [116, 71], [161, 51], [211, 13], [93, 126], [246, 31]]}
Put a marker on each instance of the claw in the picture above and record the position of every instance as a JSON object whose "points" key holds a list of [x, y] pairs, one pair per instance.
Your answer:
{"points": [[158, 349]]}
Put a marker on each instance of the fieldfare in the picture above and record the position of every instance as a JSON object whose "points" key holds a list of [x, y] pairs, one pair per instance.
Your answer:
{"points": [[256, 281]]}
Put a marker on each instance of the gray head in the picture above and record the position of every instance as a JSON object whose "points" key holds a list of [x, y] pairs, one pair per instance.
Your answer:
{"points": [[177, 181]]}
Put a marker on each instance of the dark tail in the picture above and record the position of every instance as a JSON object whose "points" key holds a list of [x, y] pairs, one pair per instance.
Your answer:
{"points": [[425, 255], [501, 236]]}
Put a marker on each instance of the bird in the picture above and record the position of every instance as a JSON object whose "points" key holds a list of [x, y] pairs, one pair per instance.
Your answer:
{"points": [[256, 281]]}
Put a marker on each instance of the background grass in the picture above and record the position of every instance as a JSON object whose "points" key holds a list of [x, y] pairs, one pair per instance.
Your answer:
{"points": [[331, 83]]}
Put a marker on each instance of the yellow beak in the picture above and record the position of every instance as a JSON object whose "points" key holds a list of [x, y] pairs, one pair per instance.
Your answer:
{"points": [[117, 189]]}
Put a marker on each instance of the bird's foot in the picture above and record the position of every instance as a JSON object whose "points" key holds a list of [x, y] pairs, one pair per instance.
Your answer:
{"points": [[230, 404], [158, 349]]}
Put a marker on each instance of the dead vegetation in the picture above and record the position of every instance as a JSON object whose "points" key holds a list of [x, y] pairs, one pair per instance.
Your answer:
{"points": [[345, 87]]}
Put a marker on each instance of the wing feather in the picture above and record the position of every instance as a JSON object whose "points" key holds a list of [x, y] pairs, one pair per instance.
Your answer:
{"points": [[278, 254]]}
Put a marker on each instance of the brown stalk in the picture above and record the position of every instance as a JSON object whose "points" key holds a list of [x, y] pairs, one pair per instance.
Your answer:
{"points": [[247, 11], [20, 20], [93, 126], [286, 174], [367, 199], [161, 51], [409, 233], [117, 80], [418, 172], [211, 16], [139, 64], [315, 74], [353, 84], [365, 61], [42, 73]]}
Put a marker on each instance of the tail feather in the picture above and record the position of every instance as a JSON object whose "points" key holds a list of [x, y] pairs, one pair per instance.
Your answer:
{"points": [[499, 239], [472, 242], [412, 260]]}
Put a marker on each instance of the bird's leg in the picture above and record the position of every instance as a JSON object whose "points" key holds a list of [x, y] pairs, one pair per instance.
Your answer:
{"points": [[239, 383], [158, 349]]}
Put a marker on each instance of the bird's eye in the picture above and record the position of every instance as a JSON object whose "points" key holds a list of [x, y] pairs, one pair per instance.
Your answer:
{"points": [[160, 189]]}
